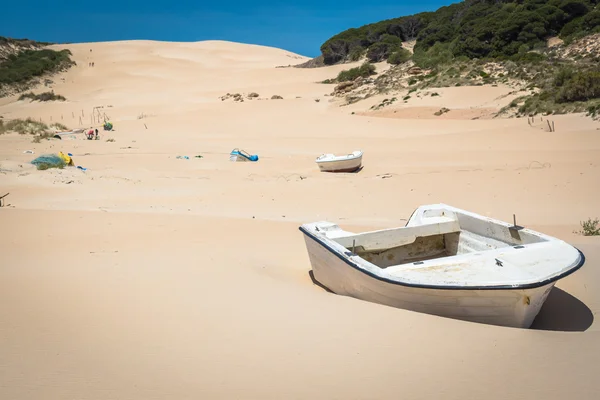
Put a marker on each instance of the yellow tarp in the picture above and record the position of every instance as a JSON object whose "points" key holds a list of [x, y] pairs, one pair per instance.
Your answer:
{"points": [[68, 159]]}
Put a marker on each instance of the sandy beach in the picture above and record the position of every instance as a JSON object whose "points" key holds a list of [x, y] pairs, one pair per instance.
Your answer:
{"points": [[149, 276]]}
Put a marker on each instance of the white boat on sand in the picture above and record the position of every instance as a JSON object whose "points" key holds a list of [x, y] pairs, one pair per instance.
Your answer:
{"points": [[447, 262], [346, 163]]}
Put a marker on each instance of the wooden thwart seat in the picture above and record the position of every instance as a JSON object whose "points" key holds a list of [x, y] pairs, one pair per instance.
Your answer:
{"points": [[389, 238]]}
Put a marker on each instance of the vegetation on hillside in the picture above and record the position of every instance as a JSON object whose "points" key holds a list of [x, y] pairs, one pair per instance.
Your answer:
{"points": [[499, 29], [400, 56], [566, 90], [351, 74], [22, 42], [485, 42], [28, 64], [556, 80], [548, 84], [349, 44]]}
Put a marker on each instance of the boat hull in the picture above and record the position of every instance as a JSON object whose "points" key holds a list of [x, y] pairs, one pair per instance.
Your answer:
{"points": [[350, 165], [238, 158], [506, 307]]}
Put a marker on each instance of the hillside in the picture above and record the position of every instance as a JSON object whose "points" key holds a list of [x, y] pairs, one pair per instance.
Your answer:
{"points": [[560, 79], [472, 29], [24, 62], [546, 51]]}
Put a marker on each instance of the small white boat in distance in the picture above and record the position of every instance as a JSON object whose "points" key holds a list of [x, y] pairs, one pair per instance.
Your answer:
{"points": [[346, 163], [445, 261]]}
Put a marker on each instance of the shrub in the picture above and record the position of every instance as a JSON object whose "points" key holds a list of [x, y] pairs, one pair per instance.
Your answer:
{"points": [[356, 54], [399, 57], [529, 57], [436, 55], [562, 76], [364, 70], [46, 96], [582, 86], [592, 111], [381, 50], [590, 227]]}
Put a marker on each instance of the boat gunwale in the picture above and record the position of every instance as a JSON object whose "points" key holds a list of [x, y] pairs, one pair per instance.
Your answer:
{"points": [[354, 157], [521, 286]]}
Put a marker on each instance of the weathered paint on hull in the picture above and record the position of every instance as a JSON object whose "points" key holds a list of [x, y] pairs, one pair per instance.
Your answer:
{"points": [[340, 166], [352, 169], [237, 158], [506, 307]]}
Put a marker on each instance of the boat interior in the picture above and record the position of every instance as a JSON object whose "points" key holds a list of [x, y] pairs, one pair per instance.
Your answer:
{"points": [[414, 244]]}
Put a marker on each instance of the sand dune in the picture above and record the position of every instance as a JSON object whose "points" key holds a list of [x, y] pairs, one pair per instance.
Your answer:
{"points": [[151, 277]]}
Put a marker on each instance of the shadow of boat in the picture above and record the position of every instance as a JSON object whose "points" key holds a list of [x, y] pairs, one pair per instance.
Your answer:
{"points": [[563, 312]]}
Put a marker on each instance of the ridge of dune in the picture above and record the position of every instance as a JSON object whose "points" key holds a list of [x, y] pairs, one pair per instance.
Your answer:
{"points": [[151, 276]]}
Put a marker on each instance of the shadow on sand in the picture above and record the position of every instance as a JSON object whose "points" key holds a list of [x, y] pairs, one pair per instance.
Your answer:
{"points": [[560, 312], [563, 312]]}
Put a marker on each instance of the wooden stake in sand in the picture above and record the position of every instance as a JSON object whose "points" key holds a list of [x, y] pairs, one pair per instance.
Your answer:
{"points": [[2, 199], [553, 130]]}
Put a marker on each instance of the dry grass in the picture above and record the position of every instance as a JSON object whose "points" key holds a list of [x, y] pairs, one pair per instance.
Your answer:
{"points": [[32, 127], [23, 126], [59, 126], [46, 96]]}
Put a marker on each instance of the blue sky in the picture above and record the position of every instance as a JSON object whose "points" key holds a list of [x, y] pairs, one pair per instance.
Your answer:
{"points": [[297, 26]]}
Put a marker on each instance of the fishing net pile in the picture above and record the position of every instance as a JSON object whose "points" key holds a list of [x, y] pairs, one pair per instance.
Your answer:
{"points": [[48, 161]]}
